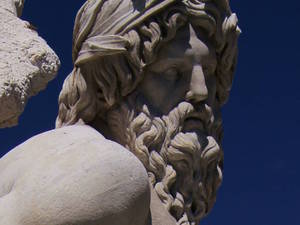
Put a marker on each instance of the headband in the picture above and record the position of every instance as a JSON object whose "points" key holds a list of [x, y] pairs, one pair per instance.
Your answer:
{"points": [[101, 24]]}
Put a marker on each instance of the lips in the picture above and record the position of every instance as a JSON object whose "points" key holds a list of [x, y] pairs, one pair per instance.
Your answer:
{"points": [[199, 119], [193, 124]]}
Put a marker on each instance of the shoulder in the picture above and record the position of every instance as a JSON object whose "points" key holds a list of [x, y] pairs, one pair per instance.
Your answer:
{"points": [[70, 145], [77, 162]]}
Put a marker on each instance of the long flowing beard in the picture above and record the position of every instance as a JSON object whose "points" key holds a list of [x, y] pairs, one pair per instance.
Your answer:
{"points": [[184, 168]]}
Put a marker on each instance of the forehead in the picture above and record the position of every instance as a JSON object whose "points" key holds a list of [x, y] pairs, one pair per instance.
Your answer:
{"points": [[190, 43]]}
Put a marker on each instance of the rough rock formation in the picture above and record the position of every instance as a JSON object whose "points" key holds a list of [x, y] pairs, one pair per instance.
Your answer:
{"points": [[27, 63]]}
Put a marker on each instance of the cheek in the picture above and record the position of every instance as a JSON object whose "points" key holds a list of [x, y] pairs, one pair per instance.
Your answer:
{"points": [[161, 94], [153, 87], [154, 90]]}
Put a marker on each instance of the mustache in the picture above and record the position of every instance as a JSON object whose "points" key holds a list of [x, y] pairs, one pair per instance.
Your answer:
{"points": [[182, 112]]}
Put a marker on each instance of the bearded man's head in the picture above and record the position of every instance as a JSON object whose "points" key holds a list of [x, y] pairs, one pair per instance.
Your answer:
{"points": [[152, 76]]}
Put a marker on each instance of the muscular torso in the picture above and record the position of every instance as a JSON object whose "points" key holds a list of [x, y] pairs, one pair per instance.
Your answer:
{"points": [[72, 175]]}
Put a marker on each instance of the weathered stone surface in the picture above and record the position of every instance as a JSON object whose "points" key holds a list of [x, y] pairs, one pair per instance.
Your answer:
{"points": [[13, 6], [72, 175], [27, 63]]}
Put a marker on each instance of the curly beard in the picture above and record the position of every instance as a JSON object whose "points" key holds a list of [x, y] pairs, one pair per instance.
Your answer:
{"points": [[184, 166]]}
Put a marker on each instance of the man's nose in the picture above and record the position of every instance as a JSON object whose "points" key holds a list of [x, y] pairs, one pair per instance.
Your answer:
{"points": [[198, 90]]}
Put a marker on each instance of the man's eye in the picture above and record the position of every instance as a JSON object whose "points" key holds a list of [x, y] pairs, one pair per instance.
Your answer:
{"points": [[171, 74]]}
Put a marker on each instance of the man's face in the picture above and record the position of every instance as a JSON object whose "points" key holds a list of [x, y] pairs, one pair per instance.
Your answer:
{"points": [[183, 71], [172, 120], [167, 114]]}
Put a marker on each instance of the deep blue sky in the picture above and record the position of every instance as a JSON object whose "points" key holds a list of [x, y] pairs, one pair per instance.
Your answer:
{"points": [[261, 175]]}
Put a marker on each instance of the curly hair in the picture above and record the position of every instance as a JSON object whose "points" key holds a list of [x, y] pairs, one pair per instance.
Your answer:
{"points": [[184, 172], [92, 88], [99, 87]]}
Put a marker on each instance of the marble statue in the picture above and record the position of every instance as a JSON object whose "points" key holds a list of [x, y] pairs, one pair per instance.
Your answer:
{"points": [[139, 128], [27, 63]]}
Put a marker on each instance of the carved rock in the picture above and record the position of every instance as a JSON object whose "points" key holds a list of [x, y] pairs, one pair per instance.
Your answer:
{"points": [[153, 75], [64, 177], [27, 63], [149, 75]]}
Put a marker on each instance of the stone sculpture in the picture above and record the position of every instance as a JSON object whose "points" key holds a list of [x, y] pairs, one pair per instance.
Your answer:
{"points": [[27, 63], [151, 76]]}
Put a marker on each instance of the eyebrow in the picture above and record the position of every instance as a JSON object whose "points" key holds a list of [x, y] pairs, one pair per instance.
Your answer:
{"points": [[163, 64]]}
